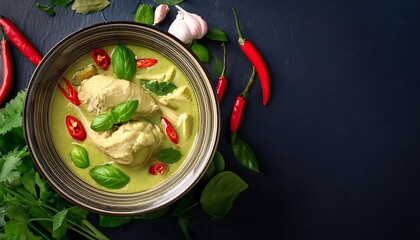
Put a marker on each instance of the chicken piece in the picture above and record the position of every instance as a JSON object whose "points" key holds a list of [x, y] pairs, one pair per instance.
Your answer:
{"points": [[131, 143], [101, 93]]}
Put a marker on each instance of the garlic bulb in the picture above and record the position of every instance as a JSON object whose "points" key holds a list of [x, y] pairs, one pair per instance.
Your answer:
{"points": [[188, 26], [160, 13]]}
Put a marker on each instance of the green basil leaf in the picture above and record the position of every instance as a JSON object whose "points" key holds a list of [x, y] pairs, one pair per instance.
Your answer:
{"points": [[201, 51], [244, 154], [123, 62], [113, 221], [169, 2], [158, 88], [217, 35], [124, 111], [216, 166], [109, 176], [169, 155], [153, 215], [59, 224], [88, 6], [220, 193], [61, 3], [102, 122], [79, 156], [47, 9], [144, 14]]}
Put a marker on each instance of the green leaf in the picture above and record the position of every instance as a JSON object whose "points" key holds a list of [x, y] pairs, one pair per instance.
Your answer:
{"points": [[77, 214], [18, 230], [217, 35], [11, 114], [180, 207], [28, 182], [244, 154], [169, 2], [113, 221], [45, 193], [169, 155], [8, 165], [153, 215], [79, 156], [158, 88], [61, 3], [124, 111], [102, 122], [201, 51], [184, 223], [144, 14], [109, 176], [89, 6], [217, 165], [45, 8], [60, 224], [220, 193], [123, 62]]}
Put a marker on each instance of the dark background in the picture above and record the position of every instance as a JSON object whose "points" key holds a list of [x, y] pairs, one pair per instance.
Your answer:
{"points": [[339, 142]]}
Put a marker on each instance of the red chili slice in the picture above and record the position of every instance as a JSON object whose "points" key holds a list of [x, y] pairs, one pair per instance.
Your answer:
{"points": [[158, 168], [101, 58], [145, 62], [75, 128], [170, 130], [71, 93]]}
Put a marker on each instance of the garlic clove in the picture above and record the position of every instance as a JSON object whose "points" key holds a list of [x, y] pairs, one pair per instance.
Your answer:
{"points": [[180, 29], [160, 13]]}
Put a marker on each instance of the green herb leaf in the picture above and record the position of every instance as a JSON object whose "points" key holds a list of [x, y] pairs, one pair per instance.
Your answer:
{"points": [[11, 114], [169, 2], [89, 6], [102, 122], [153, 215], [158, 88], [28, 182], [184, 223], [77, 214], [220, 193], [244, 154], [79, 156], [144, 14], [109, 176], [61, 3], [15, 229], [201, 51], [8, 165], [216, 166], [45, 8], [123, 62], [113, 221], [124, 111], [59, 224], [217, 35], [169, 155]]}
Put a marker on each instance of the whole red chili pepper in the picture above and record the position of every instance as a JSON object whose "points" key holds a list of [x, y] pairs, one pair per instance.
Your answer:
{"points": [[158, 168], [256, 60], [20, 41], [145, 62], [170, 130], [7, 70], [101, 58], [239, 106], [222, 81], [75, 128], [71, 93]]}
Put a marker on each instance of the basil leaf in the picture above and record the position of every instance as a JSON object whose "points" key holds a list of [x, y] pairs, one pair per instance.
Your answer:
{"points": [[169, 2], [47, 9], [88, 6], [217, 165], [59, 224], [153, 215], [217, 35], [113, 221], [102, 122], [79, 156], [201, 51], [61, 3], [220, 193], [244, 154], [124, 111], [109, 176], [158, 88], [123, 62], [169, 155], [144, 14]]}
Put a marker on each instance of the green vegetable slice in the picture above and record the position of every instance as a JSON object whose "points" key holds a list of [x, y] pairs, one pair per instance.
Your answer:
{"points": [[144, 14], [220, 193], [109, 176], [79, 156], [158, 88], [123, 62], [169, 155]]}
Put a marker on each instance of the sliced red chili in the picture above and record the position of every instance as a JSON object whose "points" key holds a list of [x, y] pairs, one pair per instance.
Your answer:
{"points": [[145, 62], [7, 70], [222, 81], [75, 128], [71, 93], [101, 58], [170, 130], [158, 168]]}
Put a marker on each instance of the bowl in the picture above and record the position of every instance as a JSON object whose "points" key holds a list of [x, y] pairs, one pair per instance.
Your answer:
{"points": [[38, 133]]}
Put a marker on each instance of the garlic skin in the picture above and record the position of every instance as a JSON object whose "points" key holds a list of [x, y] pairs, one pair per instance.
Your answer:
{"points": [[188, 26], [160, 13]]}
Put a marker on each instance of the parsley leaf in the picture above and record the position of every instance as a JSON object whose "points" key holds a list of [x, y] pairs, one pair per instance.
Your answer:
{"points": [[11, 114], [9, 163]]}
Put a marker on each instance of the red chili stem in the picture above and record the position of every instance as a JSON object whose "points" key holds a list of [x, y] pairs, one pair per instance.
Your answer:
{"points": [[222, 81], [20, 41], [7, 70], [254, 56]]}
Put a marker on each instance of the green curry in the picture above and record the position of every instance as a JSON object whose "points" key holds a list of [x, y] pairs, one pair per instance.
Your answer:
{"points": [[140, 120]]}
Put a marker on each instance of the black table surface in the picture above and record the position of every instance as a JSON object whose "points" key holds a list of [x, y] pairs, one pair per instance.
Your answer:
{"points": [[339, 142]]}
